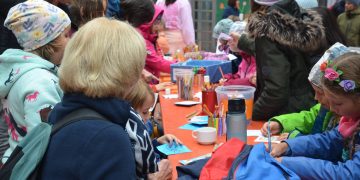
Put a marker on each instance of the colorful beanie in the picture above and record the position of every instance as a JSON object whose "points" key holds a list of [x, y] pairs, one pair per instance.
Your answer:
{"points": [[222, 26], [332, 53], [35, 23]]}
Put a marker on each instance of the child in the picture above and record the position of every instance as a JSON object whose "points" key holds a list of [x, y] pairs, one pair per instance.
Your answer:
{"points": [[318, 119], [334, 154], [29, 83], [155, 62], [142, 99], [246, 73]]}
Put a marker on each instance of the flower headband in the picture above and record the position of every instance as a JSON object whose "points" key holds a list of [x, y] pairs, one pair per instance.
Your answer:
{"points": [[333, 74]]}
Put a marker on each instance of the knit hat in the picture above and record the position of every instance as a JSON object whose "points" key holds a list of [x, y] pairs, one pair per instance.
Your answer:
{"points": [[35, 23], [332, 53], [222, 26], [238, 27], [307, 4], [354, 2], [266, 2]]}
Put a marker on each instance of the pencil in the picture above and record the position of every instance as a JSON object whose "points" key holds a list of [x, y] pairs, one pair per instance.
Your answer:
{"points": [[192, 114], [222, 73]]}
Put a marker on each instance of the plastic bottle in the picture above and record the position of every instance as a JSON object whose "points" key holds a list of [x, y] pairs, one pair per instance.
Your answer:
{"points": [[236, 123]]}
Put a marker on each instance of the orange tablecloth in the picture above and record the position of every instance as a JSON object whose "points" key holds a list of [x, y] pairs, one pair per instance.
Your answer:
{"points": [[174, 117]]}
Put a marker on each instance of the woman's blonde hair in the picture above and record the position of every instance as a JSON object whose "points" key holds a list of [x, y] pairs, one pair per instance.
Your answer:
{"points": [[140, 93], [103, 59]]}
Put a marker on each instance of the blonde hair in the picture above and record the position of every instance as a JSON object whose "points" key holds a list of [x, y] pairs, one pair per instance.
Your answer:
{"points": [[140, 93], [103, 59], [49, 49]]}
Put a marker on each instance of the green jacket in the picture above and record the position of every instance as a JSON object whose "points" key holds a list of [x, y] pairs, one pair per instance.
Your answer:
{"points": [[303, 121], [350, 27]]}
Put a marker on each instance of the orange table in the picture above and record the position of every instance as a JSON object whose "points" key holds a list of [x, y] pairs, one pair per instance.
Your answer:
{"points": [[174, 116]]}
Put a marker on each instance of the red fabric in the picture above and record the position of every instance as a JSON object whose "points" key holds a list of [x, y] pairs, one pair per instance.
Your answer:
{"points": [[347, 126], [155, 62], [221, 160]]}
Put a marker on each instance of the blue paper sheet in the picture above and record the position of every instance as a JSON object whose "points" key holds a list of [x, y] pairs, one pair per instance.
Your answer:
{"points": [[174, 149], [191, 126]]}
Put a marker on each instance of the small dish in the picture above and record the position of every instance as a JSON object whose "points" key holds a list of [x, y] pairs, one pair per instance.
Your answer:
{"points": [[187, 103]]}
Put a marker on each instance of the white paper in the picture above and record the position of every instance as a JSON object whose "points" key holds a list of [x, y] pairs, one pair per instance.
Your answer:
{"points": [[171, 96], [274, 139], [253, 133], [231, 57]]}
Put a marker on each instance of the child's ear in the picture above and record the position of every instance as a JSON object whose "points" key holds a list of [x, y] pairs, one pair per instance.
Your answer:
{"points": [[81, 12]]}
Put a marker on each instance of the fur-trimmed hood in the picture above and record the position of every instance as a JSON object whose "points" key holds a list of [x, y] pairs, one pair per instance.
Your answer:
{"points": [[306, 33]]}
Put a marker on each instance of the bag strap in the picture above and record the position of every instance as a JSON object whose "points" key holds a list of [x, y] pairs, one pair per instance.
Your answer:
{"points": [[77, 115]]}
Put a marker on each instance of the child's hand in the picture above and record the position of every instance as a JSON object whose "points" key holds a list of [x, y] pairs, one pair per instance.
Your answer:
{"points": [[275, 128], [234, 42], [162, 86], [277, 149], [222, 81], [168, 139], [253, 80]]}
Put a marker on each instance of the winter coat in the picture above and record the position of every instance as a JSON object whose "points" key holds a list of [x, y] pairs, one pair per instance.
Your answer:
{"points": [[155, 62], [177, 16], [350, 27], [29, 89], [319, 156], [247, 70], [228, 11], [318, 119], [127, 144], [283, 42]]}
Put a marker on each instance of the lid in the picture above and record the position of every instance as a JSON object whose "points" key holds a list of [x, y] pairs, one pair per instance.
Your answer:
{"points": [[236, 105]]}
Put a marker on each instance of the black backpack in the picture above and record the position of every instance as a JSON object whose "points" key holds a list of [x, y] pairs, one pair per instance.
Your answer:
{"points": [[26, 159]]}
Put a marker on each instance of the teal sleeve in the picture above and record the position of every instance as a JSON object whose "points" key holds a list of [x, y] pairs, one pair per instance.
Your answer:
{"points": [[302, 121]]}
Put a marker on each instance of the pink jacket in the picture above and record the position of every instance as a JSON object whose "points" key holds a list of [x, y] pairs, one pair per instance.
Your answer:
{"points": [[177, 16], [155, 62], [247, 69]]}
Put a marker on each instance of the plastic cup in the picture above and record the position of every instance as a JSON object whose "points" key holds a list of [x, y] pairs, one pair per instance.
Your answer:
{"points": [[224, 93], [184, 82]]}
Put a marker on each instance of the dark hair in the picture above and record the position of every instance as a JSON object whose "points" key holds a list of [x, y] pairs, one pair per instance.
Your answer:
{"points": [[332, 30], [168, 2], [138, 12], [232, 3], [83, 11], [349, 64]]}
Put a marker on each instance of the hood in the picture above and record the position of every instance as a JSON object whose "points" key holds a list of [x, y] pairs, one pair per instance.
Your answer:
{"points": [[145, 29], [115, 110], [288, 25], [14, 63]]}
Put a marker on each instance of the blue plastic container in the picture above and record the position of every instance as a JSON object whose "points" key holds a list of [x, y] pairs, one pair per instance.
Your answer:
{"points": [[211, 66]]}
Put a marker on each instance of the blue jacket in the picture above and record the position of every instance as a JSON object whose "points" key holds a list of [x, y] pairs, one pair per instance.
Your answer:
{"points": [[230, 11], [95, 149], [319, 156]]}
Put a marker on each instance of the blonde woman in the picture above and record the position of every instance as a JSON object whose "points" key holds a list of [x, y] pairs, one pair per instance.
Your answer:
{"points": [[97, 73]]}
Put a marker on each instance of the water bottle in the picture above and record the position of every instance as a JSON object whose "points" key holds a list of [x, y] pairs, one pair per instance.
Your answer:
{"points": [[236, 123]]}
